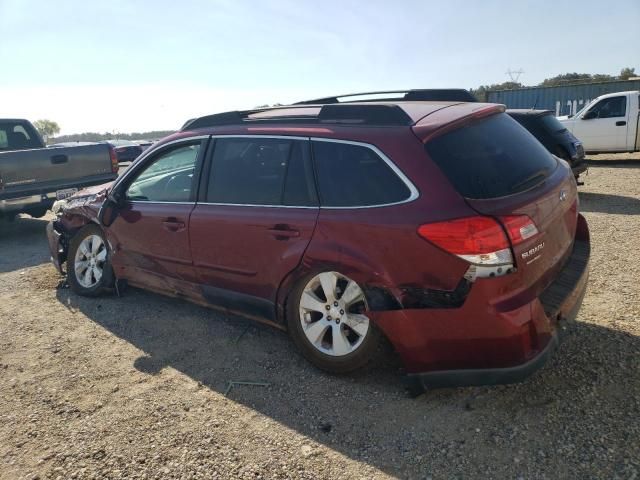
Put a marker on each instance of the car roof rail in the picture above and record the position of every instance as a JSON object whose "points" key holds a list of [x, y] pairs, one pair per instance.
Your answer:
{"points": [[378, 114], [415, 95]]}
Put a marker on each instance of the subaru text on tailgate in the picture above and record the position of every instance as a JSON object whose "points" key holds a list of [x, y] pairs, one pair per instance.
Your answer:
{"points": [[443, 226]]}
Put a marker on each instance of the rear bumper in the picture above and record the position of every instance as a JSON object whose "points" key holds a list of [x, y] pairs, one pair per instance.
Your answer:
{"points": [[44, 196], [579, 169], [486, 342], [26, 203]]}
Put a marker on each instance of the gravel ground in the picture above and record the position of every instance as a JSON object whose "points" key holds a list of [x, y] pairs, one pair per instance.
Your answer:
{"points": [[138, 386]]}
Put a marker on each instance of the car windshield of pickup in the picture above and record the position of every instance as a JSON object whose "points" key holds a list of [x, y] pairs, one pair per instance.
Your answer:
{"points": [[17, 136]]}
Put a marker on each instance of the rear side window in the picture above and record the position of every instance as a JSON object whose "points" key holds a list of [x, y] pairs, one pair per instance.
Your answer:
{"points": [[261, 171], [14, 136], [355, 176], [491, 158]]}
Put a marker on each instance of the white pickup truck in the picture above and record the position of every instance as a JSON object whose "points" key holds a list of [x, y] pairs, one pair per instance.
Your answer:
{"points": [[609, 123]]}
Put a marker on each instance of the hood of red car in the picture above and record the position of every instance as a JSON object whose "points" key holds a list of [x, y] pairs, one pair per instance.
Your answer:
{"points": [[87, 200]]}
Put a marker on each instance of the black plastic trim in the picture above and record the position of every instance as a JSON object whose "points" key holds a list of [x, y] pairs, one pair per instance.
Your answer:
{"points": [[240, 302]]}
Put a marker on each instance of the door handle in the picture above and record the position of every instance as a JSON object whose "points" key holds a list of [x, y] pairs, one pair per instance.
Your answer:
{"points": [[621, 123], [55, 159], [283, 232], [173, 225]]}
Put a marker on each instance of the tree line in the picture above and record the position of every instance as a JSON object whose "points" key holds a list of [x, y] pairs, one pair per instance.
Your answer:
{"points": [[98, 137]]}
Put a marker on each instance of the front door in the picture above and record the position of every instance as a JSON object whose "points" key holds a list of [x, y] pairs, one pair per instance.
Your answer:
{"points": [[604, 126], [255, 222], [150, 236]]}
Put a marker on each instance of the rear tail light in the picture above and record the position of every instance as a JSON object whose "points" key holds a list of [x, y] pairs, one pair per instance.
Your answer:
{"points": [[519, 228], [481, 241], [114, 160]]}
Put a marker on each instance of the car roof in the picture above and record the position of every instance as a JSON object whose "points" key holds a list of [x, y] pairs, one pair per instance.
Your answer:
{"points": [[14, 120], [424, 117]]}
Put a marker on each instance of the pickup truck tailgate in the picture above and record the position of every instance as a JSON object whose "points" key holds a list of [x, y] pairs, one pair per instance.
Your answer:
{"points": [[49, 169]]}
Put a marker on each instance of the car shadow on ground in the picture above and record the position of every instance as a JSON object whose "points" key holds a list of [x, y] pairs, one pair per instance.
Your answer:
{"points": [[609, 203], [621, 163], [369, 416], [26, 238]]}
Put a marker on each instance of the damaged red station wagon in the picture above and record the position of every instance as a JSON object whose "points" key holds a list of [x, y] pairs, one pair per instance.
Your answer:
{"points": [[443, 226]]}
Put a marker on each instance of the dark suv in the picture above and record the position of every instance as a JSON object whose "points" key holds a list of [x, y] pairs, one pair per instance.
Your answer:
{"points": [[543, 125], [444, 226]]}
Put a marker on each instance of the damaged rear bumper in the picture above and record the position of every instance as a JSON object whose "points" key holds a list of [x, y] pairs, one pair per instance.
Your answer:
{"points": [[484, 342]]}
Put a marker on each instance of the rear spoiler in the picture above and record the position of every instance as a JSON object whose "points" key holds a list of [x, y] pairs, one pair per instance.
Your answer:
{"points": [[429, 127]]}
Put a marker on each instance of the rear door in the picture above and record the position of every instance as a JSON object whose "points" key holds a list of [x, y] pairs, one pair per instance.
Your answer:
{"points": [[256, 216], [603, 127], [502, 170], [150, 235]]}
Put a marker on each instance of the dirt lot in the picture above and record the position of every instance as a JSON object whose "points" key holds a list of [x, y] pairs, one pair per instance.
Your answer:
{"points": [[138, 386]]}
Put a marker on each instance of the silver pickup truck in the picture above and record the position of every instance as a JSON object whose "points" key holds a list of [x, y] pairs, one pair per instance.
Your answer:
{"points": [[33, 177]]}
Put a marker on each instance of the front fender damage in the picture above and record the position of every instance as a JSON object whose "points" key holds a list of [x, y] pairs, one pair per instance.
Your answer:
{"points": [[71, 215]]}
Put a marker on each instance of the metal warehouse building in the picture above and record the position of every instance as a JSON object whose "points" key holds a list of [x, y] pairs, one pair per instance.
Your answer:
{"points": [[564, 100]]}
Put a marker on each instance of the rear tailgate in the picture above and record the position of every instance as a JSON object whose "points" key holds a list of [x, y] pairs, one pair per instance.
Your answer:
{"points": [[29, 172], [502, 170], [552, 205]]}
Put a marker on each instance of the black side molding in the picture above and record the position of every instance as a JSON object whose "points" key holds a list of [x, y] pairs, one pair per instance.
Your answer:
{"points": [[240, 302]]}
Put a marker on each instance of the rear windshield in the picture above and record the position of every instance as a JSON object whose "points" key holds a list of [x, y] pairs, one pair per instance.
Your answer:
{"points": [[552, 124], [17, 136], [492, 158]]}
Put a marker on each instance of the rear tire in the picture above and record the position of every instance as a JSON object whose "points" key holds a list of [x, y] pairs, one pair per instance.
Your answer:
{"points": [[326, 321], [89, 271]]}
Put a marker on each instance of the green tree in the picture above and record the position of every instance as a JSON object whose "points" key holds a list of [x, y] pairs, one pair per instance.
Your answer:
{"points": [[574, 77], [481, 92], [626, 73], [47, 128]]}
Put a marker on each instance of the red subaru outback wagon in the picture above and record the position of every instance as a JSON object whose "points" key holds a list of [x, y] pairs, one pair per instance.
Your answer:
{"points": [[443, 226]]}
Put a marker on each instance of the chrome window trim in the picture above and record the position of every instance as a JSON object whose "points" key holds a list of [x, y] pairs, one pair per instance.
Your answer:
{"points": [[413, 195], [413, 191], [254, 135], [143, 202], [254, 205]]}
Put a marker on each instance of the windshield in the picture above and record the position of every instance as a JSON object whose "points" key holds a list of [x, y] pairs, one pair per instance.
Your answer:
{"points": [[583, 109]]}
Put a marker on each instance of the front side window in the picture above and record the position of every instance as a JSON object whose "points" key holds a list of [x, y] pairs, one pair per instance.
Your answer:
{"points": [[261, 171], [168, 178], [610, 108], [355, 176]]}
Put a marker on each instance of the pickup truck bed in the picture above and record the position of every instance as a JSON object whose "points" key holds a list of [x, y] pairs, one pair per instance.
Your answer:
{"points": [[31, 179]]}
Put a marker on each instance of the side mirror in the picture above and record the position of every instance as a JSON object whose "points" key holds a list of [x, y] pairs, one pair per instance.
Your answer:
{"points": [[590, 114], [109, 210]]}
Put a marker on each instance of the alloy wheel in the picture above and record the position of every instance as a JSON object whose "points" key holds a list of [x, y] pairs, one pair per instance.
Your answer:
{"points": [[90, 258], [331, 314]]}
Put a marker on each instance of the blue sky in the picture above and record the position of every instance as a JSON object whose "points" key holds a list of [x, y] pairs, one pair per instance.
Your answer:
{"points": [[133, 65]]}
